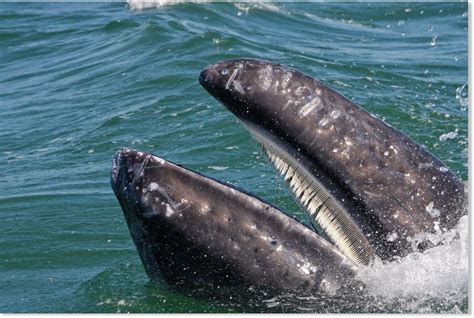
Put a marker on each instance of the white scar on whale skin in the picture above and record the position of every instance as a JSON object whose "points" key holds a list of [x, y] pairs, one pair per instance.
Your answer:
{"points": [[238, 87], [231, 78]]}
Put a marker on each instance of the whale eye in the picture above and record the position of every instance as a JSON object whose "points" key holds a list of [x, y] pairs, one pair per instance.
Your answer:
{"points": [[225, 71]]}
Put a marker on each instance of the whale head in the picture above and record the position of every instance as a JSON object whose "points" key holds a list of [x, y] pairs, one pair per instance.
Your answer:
{"points": [[200, 234], [363, 183]]}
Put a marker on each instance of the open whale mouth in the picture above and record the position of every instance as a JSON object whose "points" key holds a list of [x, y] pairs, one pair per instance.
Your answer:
{"points": [[328, 215], [367, 188]]}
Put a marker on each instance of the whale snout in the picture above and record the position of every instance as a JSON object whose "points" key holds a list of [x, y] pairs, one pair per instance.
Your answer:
{"points": [[127, 166], [215, 76], [207, 76]]}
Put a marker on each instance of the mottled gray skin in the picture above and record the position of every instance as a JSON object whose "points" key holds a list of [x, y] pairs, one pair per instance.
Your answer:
{"points": [[394, 187], [201, 235]]}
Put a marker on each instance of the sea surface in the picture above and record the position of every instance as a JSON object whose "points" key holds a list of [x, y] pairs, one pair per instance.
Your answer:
{"points": [[78, 81]]}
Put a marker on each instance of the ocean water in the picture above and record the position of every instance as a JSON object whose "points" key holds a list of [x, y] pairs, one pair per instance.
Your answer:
{"points": [[79, 81]]}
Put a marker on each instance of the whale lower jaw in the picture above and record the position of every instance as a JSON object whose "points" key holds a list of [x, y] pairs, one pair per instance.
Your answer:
{"points": [[201, 234]]}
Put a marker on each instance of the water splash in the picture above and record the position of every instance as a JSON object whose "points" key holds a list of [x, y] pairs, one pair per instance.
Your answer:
{"points": [[462, 97], [435, 281], [441, 272], [450, 135]]}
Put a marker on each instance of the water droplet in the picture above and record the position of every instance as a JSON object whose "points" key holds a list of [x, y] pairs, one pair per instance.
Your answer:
{"points": [[462, 97], [431, 210], [450, 135]]}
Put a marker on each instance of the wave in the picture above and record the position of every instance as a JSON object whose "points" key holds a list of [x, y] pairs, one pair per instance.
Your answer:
{"points": [[141, 5]]}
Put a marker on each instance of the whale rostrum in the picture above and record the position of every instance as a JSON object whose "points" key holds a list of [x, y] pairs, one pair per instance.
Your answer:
{"points": [[368, 187]]}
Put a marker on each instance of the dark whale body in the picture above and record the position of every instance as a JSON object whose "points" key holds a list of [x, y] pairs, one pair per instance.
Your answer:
{"points": [[366, 185], [201, 235], [367, 188]]}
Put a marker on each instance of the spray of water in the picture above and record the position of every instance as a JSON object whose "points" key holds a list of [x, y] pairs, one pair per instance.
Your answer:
{"points": [[441, 272]]}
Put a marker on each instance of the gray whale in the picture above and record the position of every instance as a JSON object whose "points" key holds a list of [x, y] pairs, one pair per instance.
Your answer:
{"points": [[364, 184], [368, 189]]}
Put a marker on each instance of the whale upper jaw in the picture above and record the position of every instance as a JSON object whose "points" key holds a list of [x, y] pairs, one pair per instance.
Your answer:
{"points": [[369, 187]]}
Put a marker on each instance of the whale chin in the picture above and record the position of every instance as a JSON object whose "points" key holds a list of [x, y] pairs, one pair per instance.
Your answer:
{"points": [[200, 234]]}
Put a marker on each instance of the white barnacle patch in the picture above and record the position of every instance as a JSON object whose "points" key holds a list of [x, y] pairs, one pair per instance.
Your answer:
{"points": [[335, 114], [348, 141], [267, 82], [286, 79], [153, 186], [424, 165], [158, 159], [431, 210], [306, 268], [299, 90], [275, 85], [443, 169], [324, 121], [309, 107], [393, 149], [169, 211], [266, 74], [204, 209]]}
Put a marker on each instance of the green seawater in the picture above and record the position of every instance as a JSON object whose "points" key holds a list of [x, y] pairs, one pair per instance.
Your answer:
{"points": [[80, 80]]}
